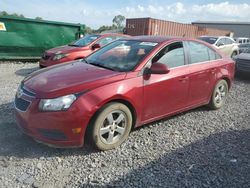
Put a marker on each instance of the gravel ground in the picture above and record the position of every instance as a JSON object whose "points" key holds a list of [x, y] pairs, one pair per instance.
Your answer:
{"points": [[199, 148]]}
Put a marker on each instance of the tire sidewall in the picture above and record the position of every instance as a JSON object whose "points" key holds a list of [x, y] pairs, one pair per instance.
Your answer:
{"points": [[99, 120], [213, 104]]}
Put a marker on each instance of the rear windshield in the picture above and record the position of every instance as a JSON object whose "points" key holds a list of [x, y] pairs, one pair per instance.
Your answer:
{"points": [[85, 40], [210, 40]]}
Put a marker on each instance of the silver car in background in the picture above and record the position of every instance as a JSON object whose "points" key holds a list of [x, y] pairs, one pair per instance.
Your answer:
{"points": [[226, 45]]}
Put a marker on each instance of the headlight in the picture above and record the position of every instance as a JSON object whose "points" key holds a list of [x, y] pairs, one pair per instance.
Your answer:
{"points": [[57, 104], [59, 56]]}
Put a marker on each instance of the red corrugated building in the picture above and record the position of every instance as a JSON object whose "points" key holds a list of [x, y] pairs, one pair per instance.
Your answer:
{"points": [[150, 26]]}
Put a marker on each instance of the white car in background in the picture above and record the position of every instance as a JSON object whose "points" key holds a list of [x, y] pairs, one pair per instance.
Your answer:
{"points": [[226, 45]]}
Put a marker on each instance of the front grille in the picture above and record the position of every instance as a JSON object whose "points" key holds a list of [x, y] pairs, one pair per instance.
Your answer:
{"points": [[243, 64], [25, 91], [29, 93], [52, 134], [46, 56], [21, 104]]}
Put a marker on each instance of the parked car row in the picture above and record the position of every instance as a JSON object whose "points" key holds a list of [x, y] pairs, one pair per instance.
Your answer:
{"points": [[125, 84]]}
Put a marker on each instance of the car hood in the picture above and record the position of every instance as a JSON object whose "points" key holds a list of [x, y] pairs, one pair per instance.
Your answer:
{"points": [[68, 78], [245, 56], [66, 49]]}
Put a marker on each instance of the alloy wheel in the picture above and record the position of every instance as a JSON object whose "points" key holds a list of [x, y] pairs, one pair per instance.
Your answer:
{"points": [[113, 127]]}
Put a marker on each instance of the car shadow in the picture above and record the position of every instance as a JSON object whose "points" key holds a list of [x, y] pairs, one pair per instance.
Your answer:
{"points": [[158, 122], [243, 77], [14, 143], [26, 71], [220, 160]]}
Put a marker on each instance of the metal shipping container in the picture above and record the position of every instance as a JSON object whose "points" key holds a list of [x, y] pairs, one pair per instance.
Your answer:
{"points": [[150, 26], [23, 38]]}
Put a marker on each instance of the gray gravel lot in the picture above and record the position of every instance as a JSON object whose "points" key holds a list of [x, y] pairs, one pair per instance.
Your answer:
{"points": [[199, 148]]}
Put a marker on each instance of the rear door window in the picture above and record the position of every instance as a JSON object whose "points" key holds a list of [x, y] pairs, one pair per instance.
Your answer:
{"points": [[213, 55], [198, 52]]}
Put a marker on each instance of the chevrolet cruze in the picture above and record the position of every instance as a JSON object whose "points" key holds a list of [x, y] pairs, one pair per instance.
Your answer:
{"points": [[123, 85]]}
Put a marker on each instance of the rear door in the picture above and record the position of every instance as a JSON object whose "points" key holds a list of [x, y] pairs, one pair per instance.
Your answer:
{"points": [[166, 93], [202, 72]]}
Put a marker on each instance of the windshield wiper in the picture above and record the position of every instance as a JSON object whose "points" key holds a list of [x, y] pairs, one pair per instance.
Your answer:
{"points": [[85, 60], [99, 65]]}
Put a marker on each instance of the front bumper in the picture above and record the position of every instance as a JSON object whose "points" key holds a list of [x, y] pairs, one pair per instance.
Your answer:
{"points": [[52, 128], [49, 62], [46, 63]]}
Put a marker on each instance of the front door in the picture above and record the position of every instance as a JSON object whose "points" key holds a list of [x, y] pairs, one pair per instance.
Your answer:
{"points": [[166, 93]]}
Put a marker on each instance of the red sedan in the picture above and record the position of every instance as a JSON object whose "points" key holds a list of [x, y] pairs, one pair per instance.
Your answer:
{"points": [[125, 84], [78, 49]]}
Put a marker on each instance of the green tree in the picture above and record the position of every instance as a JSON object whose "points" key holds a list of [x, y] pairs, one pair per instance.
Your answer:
{"points": [[88, 30], [119, 21], [38, 18], [4, 13]]}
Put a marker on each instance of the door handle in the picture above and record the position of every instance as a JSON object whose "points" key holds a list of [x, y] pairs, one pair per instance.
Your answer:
{"points": [[183, 79], [213, 70]]}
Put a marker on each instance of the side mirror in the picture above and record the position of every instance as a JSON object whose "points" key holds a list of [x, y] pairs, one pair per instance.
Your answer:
{"points": [[96, 46], [158, 68]]}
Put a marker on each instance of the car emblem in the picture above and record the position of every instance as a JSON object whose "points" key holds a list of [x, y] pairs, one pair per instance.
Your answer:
{"points": [[19, 93]]}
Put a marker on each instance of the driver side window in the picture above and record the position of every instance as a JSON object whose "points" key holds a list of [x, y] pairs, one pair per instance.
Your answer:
{"points": [[171, 55]]}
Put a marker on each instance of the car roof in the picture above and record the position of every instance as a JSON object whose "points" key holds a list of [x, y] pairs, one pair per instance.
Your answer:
{"points": [[217, 37], [157, 39], [111, 34]]}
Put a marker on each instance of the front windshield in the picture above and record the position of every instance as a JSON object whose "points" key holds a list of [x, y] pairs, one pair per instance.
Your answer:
{"points": [[210, 40], [85, 40], [121, 55]]}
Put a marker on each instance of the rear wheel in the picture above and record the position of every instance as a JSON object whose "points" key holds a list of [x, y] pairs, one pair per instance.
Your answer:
{"points": [[111, 126], [219, 95]]}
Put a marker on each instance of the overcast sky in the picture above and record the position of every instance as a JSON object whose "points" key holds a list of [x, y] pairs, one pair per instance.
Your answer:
{"points": [[95, 13]]}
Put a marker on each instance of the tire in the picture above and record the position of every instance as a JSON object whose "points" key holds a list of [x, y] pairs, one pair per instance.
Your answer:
{"points": [[219, 95], [111, 126]]}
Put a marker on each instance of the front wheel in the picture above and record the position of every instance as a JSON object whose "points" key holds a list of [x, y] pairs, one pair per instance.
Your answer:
{"points": [[219, 95], [111, 126]]}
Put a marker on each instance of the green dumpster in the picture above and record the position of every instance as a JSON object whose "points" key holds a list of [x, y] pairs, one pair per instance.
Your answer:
{"points": [[24, 38]]}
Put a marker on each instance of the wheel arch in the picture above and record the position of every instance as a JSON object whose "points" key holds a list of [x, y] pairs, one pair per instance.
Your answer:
{"points": [[228, 81], [117, 100]]}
